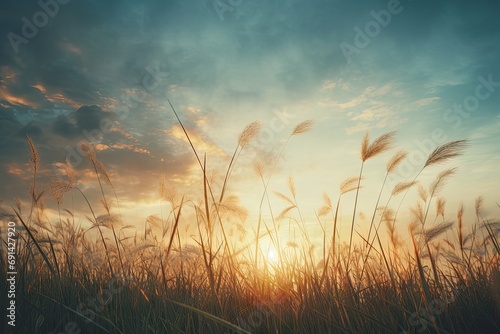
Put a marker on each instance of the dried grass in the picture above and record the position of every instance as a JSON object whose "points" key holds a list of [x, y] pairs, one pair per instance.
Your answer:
{"points": [[303, 127], [446, 152], [249, 133], [379, 145], [395, 160]]}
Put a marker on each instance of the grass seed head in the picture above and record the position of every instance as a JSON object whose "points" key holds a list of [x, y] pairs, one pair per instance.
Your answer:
{"points": [[249, 133], [379, 145], [446, 151], [395, 160], [303, 127]]}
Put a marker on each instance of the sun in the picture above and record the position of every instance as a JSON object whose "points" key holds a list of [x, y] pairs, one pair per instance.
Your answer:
{"points": [[268, 254], [272, 256]]}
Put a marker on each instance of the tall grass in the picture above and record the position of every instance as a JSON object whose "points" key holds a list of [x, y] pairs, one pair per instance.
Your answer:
{"points": [[446, 280]]}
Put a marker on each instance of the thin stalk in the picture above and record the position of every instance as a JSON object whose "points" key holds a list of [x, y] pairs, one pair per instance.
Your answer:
{"points": [[353, 217]]}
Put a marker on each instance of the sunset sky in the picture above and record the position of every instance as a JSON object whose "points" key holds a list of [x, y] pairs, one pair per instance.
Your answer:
{"points": [[102, 71]]}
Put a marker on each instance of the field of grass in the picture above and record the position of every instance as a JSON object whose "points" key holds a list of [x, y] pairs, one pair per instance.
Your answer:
{"points": [[118, 278]]}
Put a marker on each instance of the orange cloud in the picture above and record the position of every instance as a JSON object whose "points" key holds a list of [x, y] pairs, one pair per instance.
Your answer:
{"points": [[201, 144], [123, 133], [101, 147], [58, 98], [121, 146], [40, 88], [73, 48], [15, 170], [16, 100], [22, 171]]}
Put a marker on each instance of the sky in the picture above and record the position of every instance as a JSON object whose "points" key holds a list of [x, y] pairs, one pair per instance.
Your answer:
{"points": [[100, 72]]}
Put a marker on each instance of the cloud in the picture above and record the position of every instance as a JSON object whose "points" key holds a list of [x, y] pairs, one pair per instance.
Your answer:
{"points": [[200, 141]]}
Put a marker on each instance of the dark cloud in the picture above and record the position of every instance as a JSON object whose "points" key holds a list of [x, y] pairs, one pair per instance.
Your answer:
{"points": [[89, 117], [9, 125], [33, 130], [84, 120], [63, 127]]}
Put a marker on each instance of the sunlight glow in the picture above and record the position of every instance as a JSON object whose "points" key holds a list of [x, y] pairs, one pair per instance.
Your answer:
{"points": [[272, 257]]}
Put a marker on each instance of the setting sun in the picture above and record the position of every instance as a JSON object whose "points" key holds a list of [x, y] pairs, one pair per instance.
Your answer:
{"points": [[272, 257]]}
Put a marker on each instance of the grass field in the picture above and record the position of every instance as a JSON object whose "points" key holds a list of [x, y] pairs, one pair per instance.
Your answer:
{"points": [[120, 278]]}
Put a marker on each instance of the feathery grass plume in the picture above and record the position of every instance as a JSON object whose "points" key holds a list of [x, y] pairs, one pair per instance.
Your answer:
{"points": [[106, 220], [231, 206], [422, 193], [379, 145], [249, 133], [391, 166], [440, 180], [303, 127], [349, 184], [291, 186], [440, 204], [284, 197], [103, 171], [327, 200], [105, 205], [418, 211], [440, 155], [245, 137], [460, 214], [402, 186], [153, 220], [446, 151], [70, 173], [35, 164], [34, 156], [171, 196], [478, 205], [259, 168], [284, 212], [300, 128], [433, 232], [395, 160], [387, 215], [58, 188], [88, 151], [327, 207]]}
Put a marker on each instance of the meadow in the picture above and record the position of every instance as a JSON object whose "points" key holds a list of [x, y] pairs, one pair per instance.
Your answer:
{"points": [[120, 276]]}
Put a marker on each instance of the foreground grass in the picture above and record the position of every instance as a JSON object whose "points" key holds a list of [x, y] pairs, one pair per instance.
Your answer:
{"points": [[447, 280]]}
